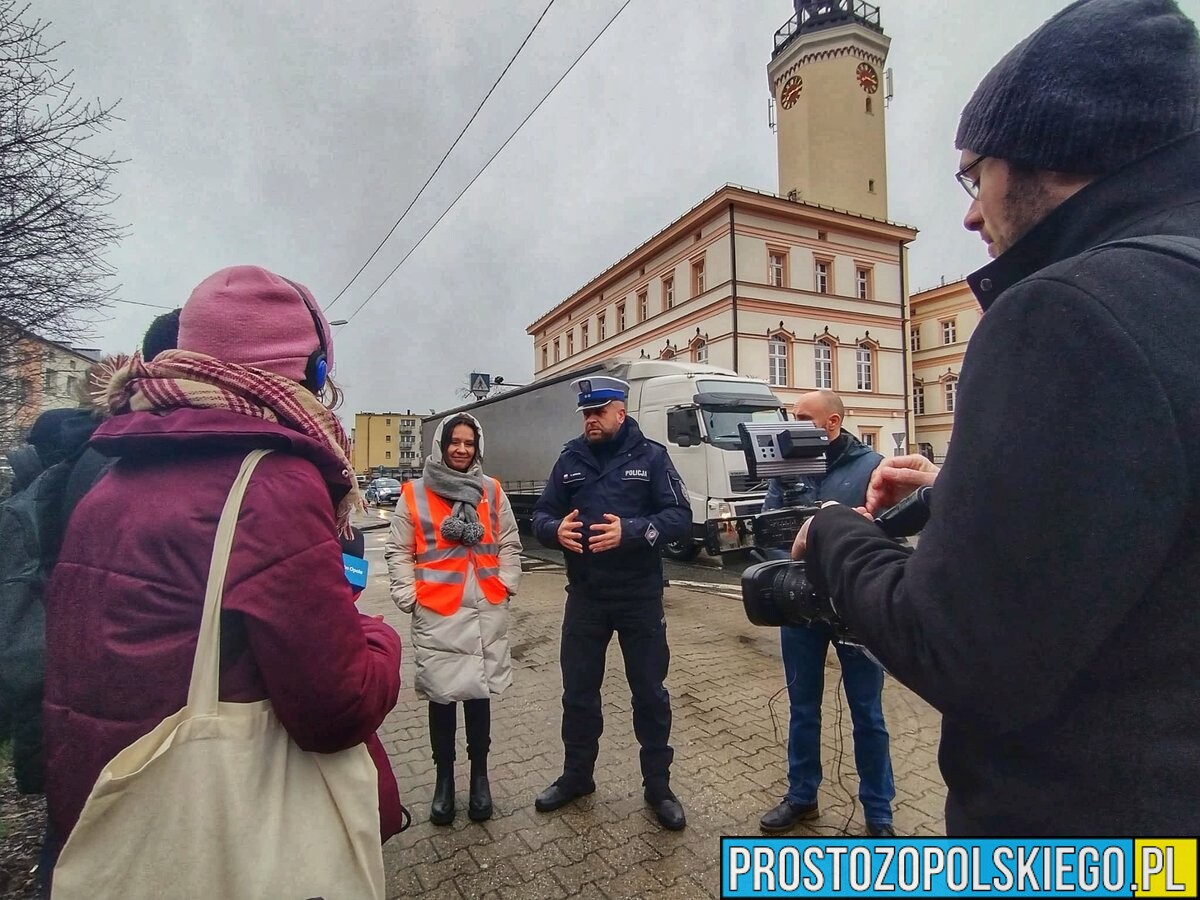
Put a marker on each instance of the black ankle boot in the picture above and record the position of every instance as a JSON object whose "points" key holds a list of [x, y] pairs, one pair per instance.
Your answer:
{"points": [[479, 809], [441, 812]]}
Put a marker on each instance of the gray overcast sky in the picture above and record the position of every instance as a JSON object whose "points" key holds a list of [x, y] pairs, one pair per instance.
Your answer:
{"points": [[292, 133]]}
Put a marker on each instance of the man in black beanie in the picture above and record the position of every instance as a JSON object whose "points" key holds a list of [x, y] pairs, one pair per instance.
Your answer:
{"points": [[1052, 608]]}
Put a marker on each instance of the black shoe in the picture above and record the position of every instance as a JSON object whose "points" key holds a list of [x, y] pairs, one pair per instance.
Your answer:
{"points": [[441, 812], [479, 808], [561, 793], [786, 815], [880, 829], [669, 811]]}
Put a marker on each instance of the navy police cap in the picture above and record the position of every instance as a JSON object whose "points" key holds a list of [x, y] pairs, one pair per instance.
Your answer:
{"points": [[599, 390]]}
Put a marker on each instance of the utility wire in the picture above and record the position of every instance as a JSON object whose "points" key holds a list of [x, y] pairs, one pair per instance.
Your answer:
{"points": [[138, 303], [485, 165], [438, 168]]}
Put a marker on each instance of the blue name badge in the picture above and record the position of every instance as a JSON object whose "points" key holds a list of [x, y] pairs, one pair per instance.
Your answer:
{"points": [[356, 570]]}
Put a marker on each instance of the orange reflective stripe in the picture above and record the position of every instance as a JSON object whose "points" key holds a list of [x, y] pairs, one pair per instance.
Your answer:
{"points": [[440, 566]]}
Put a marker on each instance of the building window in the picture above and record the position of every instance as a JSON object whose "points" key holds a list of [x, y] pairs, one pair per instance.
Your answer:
{"points": [[862, 281], [870, 185], [668, 353], [823, 374], [601, 326], [918, 398], [387, 438], [668, 293], [387, 421], [557, 355], [869, 439], [777, 353], [583, 335], [621, 316], [951, 394], [643, 306], [387, 454], [863, 369], [870, 111], [822, 235], [698, 277], [545, 356], [777, 268], [914, 338], [700, 352], [822, 276], [571, 342], [949, 331]]}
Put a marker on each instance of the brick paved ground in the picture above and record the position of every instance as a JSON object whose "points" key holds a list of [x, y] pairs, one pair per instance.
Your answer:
{"points": [[730, 762]]}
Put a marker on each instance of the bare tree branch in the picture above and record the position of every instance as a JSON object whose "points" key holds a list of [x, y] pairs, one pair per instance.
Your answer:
{"points": [[55, 199]]}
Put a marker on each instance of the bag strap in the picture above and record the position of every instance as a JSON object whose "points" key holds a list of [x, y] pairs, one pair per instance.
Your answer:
{"points": [[204, 689]]}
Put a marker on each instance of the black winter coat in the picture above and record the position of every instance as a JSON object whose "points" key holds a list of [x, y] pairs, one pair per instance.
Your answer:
{"points": [[1052, 608], [639, 484]]}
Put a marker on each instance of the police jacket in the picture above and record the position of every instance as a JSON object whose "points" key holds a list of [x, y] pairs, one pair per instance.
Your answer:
{"points": [[637, 483]]}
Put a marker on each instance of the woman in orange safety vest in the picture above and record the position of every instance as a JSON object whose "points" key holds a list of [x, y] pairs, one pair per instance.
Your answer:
{"points": [[454, 559]]}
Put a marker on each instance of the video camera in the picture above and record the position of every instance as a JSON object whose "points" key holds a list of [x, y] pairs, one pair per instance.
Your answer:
{"points": [[777, 591]]}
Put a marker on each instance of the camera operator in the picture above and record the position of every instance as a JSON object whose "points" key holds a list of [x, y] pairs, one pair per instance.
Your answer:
{"points": [[1049, 610], [849, 464]]}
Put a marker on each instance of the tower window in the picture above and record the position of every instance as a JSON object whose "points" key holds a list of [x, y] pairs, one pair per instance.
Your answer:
{"points": [[870, 111], [871, 185]]}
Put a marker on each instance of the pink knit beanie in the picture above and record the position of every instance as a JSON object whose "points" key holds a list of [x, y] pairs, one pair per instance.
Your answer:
{"points": [[252, 317]]}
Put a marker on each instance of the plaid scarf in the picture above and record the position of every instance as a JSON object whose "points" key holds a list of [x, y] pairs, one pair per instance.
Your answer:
{"points": [[181, 379]]}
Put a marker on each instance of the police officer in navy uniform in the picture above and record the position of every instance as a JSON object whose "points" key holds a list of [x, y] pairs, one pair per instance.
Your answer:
{"points": [[611, 502]]}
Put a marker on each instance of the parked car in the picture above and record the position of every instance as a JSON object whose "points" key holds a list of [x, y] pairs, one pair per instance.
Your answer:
{"points": [[383, 492]]}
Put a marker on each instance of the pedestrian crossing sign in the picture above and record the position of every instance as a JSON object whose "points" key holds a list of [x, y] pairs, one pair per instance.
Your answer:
{"points": [[481, 384]]}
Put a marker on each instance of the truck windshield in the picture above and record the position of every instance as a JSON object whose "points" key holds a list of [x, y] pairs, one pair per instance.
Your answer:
{"points": [[722, 423]]}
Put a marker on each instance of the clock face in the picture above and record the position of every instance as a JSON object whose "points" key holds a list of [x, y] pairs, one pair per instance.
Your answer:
{"points": [[791, 91], [867, 77]]}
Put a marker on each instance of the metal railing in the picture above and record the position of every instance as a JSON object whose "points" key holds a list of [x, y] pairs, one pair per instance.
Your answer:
{"points": [[815, 14]]}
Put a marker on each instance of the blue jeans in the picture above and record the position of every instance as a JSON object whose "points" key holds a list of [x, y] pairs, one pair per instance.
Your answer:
{"points": [[804, 650]]}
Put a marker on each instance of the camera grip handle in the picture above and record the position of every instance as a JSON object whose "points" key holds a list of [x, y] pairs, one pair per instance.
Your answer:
{"points": [[908, 516]]}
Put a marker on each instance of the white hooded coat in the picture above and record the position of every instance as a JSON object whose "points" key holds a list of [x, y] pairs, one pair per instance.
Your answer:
{"points": [[465, 655]]}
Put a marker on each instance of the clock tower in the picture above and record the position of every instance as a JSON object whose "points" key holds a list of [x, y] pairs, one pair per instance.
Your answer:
{"points": [[827, 78]]}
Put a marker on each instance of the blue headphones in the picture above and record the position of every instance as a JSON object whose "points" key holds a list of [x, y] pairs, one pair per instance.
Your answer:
{"points": [[316, 371]]}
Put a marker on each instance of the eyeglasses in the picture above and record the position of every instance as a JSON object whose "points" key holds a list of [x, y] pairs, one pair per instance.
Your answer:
{"points": [[969, 184]]}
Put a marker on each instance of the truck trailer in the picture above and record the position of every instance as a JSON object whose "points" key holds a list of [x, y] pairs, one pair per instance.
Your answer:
{"points": [[691, 409]]}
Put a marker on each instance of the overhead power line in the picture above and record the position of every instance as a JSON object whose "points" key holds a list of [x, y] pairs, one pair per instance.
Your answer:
{"points": [[441, 162], [488, 163]]}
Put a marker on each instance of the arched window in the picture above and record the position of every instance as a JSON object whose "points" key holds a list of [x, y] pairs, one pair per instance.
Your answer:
{"points": [[777, 361], [864, 368], [700, 351], [823, 363]]}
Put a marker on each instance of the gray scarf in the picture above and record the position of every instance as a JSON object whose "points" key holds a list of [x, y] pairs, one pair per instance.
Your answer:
{"points": [[464, 490]]}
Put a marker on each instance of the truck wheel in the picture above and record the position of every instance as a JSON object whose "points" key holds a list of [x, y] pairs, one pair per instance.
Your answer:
{"points": [[681, 551]]}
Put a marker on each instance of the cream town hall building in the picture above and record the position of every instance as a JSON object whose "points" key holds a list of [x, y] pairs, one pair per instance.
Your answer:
{"points": [[806, 288]]}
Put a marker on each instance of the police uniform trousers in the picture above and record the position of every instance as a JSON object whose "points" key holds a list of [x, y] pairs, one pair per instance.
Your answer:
{"points": [[641, 629]]}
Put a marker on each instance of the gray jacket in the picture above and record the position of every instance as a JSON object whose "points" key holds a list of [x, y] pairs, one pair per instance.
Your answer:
{"points": [[463, 656]]}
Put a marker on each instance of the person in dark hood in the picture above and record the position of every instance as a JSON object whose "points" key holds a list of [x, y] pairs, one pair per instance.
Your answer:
{"points": [[1049, 608]]}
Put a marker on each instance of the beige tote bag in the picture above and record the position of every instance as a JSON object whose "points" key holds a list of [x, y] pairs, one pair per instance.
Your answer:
{"points": [[219, 802]]}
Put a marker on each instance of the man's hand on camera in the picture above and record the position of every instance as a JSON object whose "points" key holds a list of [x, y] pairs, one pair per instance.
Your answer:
{"points": [[895, 478], [570, 532], [800, 545]]}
